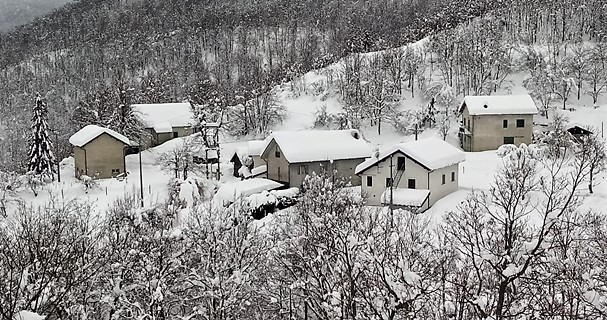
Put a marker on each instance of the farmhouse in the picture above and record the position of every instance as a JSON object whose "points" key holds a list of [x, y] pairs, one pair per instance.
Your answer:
{"points": [[99, 152], [415, 174], [165, 121], [490, 121], [291, 155]]}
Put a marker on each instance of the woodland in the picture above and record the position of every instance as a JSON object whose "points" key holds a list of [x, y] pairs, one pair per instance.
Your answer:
{"points": [[525, 248]]}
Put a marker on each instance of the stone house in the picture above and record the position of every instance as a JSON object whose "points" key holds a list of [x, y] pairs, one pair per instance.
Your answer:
{"points": [[487, 122], [414, 174], [291, 155], [165, 121], [99, 152]]}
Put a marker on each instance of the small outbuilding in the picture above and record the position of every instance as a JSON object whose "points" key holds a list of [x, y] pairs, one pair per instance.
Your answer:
{"points": [[578, 132], [99, 152]]}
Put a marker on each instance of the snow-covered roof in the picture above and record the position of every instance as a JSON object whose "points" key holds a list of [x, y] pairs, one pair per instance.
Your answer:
{"points": [[492, 105], [319, 145], [230, 192], [163, 117], [90, 132], [406, 197], [256, 147], [431, 153], [259, 170]]}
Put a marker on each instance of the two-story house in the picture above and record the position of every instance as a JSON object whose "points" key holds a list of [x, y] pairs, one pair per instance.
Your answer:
{"points": [[412, 175], [487, 122], [291, 155]]}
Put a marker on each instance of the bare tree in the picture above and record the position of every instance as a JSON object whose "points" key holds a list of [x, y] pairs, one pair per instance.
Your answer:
{"points": [[503, 234]]}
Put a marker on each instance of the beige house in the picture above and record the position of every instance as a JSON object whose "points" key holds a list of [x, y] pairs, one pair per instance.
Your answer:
{"points": [[291, 155], [99, 152], [165, 121], [491, 121], [421, 172]]}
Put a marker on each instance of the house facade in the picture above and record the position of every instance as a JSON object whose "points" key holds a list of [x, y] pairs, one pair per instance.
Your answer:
{"points": [[99, 152], [165, 121], [413, 174], [487, 122], [291, 156]]}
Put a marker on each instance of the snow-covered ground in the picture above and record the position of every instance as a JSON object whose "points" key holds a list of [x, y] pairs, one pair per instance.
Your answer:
{"points": [[311, 94]]}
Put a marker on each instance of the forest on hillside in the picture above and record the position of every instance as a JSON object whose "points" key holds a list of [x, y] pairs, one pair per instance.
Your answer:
{"points": [[100, 54]]}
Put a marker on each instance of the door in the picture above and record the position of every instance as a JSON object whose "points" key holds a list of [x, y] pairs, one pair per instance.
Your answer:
{"points": [[400, 163]]}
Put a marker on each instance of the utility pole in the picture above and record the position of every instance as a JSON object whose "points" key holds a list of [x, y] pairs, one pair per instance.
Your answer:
{"points": [[391, 191], [57, 155], [140, 175]]}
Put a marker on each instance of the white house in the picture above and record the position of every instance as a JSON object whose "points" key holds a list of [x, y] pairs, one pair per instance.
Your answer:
{"points": [[423, 172], [292, 155], [165, 121]]}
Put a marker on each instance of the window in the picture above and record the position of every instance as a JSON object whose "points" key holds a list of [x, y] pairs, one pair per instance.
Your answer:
{"points": [[411, 183], [505, 123], [369, 181], [443, 180], [278, 171], [508, 140], [453, 176], [464, 122], [388, 182], [115, 172], [175, 134], [303, 169], [520, 123], [277, 152]]}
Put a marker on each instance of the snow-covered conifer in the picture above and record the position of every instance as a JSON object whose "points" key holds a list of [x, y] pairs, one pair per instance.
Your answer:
{"points": [[41, 157]]}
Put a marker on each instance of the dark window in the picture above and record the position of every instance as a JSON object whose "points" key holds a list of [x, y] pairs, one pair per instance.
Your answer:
{"points": [[277, 152], [520, 123], [303, 169], [411, 183], [508, 140], [278, 173], [453, 176], [388, 182], [400, 163], [443, 179], [115, 172], [175, 134], [369, 181], [505, 123]]}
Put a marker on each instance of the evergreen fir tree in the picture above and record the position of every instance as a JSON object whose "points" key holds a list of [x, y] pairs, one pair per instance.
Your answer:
{"points": [[41, 157]]}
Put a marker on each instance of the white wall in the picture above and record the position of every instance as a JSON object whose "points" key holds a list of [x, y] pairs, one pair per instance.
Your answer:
{"points": [[423, 179]]}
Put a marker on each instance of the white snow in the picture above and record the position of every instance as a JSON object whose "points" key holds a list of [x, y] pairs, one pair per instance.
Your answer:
{"points": [[319, 145], [163, 117], [406, 197], [27, 315], [255, 147], [230, 192], [511, 104], [259, 170], [90, 132], [432, 153]]}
